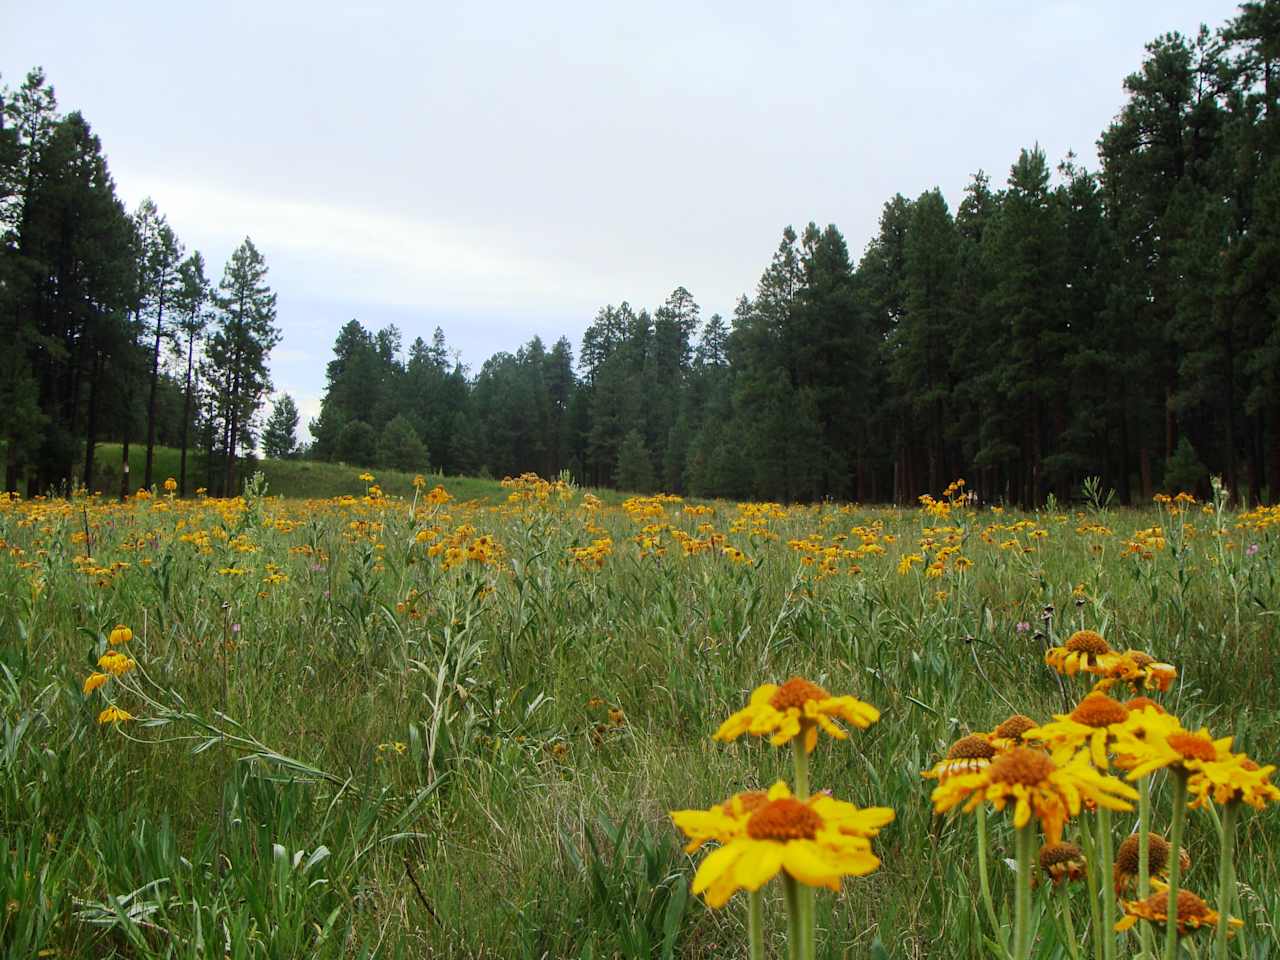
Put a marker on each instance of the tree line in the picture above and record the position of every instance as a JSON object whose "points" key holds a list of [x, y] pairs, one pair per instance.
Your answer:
{"points": [[1122, 323], [111, 330]]}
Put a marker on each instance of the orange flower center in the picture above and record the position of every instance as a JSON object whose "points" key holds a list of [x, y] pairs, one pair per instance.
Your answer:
{"points": [[1099, 710], [795, 692], [1157, 854], [1190, 907], [1087, 641], [784, 819], [1052, 854], [752, 800], [1143, 660], [1249, 765], [1022, 765], [1143, 703], [972, 747], [1193, 746], [1014, 727]]}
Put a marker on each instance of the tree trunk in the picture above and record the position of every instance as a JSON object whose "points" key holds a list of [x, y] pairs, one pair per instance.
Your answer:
{"points": [[151, 400], [91, 432], [186, 419], [124, 466]]}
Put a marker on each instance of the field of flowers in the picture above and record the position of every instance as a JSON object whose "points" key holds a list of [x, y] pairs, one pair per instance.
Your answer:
{"points": [[413, 726]]}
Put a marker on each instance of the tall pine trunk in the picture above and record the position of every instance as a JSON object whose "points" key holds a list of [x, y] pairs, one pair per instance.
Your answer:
{"points": [[151, 400], [91, 431], [186, 419]]}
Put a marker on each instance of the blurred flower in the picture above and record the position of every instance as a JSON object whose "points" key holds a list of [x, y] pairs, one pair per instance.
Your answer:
{"points": [[1035, 784], [1192, 913], [796, 708], [1083, 651], [114, 714], [94, 681], [1126, 865], [1062, 862]]}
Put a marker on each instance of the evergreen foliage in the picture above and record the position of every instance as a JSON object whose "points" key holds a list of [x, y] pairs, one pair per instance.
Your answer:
{"points": [[280, 435], [1122, 322], [400, 447]]}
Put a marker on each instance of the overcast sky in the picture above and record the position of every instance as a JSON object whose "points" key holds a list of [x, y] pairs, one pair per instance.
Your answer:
{"points": [[503, 170]]}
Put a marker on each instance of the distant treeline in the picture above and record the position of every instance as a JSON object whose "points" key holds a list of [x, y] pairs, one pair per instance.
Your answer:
{"points": [[1123, 323], [109, 331]]}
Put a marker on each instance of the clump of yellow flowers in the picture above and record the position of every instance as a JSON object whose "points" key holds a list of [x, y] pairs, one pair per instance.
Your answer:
{"points": [[1070, 774], [810, 840]]}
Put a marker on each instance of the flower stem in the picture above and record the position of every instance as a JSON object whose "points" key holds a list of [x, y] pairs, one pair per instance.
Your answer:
{"points": [[1226, 880], [791, 892], [1091, 876], [1064, 904], [805, 907], [1144, 859], [755, 925], [984, 882], [1022, 894], [1107, 930], [802, 768], [1179, 779]]}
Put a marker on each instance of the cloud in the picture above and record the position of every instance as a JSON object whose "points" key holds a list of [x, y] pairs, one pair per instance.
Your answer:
{"points": [[347, 253]]}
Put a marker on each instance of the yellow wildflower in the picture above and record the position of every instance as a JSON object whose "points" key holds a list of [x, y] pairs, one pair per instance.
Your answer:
{"points": [[816, 842], [796, 708]]}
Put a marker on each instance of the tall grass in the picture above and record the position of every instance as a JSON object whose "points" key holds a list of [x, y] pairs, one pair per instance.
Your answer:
{"points": [[391, 754]]}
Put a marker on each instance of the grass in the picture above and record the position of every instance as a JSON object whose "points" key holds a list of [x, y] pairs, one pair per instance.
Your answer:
{"points": [[369, 727]]}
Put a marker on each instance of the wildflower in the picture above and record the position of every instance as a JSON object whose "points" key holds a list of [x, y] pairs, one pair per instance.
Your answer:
{"points": [[1095, 723], [1035, 784], [1192, 913], [1138, 669], [94, 681], [1158, 849], [170, 485], [365, 477], [816, 842], [1062, 862], [1233, 778], [722, 823], [1022, 626], [1083, 651], [1251, 550], [967, 755], [796, 708], [120, 635], [1012, 731], [616, 717], [114, 714], [116, 664], [1161, 742]]}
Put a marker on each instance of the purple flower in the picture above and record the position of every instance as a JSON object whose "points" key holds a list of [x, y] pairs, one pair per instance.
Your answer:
{"points": [[1023, 626], [235, 628], [1252, 550]]}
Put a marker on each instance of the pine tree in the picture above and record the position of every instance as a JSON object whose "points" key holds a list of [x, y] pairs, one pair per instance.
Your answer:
{"points": [[635, 466], [244, 335], [159, 261], [400, 447], [191, 304], [280, 435]]}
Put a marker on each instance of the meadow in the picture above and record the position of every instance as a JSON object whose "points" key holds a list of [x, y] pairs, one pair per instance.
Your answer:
{"points": [[451, 720]]}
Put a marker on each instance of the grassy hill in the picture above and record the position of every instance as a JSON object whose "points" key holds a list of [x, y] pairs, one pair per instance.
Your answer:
{"points": [[290, 478], [302, 479]]}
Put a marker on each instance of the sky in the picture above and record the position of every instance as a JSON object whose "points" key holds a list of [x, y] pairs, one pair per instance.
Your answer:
{"points": [[503, 170]]}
